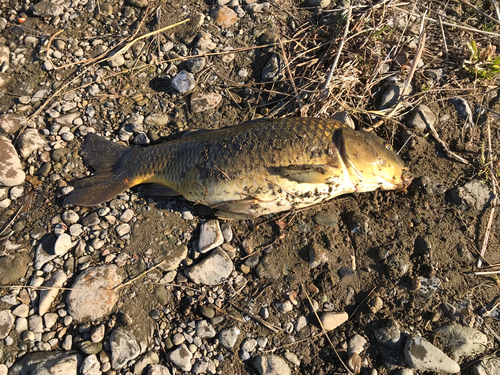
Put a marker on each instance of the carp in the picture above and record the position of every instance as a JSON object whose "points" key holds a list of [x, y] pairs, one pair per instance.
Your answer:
{"points": [[247, 170]]}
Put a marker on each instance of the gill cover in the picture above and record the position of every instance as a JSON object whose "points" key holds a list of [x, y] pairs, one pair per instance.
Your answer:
{"points": [[371, 161]]}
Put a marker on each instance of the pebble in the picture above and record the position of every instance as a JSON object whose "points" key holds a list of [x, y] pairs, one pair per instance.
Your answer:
{"points": [[472, 196], [226, 17], [90, 366], [127, 215], [149, 358], [229, 336], [273, 69], [157, 370], [204, 102], [173, 257], [117, 60], [70, 217], [390, 335], [284, 307], [97, 334], [47, 9], [124, 348], [332, 320], [435, 74], [204, 330], [9, 123], [354, 363], [138, 3], [63, 244], [178, 339], [317, 256], [11, 171], [181, 357], [48, 296], [206, 311], [183, 82], [463, 109], [357, 344], [195, 65], [75, 230], [89, 304], [106, 9], [392, 95], [210, 236], [3, 369], [420, 118], [6, 323], [301, 323], [487, 366], [35, 323], [48, 363], [29, 141], [271, 365], [462, 341], [21, 311], [157, 119], [213, 270], [123, 229], [16, 192], [422, 355], [292, 358], [50, 319]]}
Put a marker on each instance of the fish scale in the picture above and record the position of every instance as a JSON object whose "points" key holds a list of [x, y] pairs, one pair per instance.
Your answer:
{"points": [[251, 169]]}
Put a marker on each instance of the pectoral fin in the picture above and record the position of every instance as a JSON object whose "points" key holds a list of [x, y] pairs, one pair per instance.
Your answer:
{"points": [[307, 173]]}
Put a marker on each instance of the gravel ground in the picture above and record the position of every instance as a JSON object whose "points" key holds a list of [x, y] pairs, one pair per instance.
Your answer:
{"points": [[375, 283]]}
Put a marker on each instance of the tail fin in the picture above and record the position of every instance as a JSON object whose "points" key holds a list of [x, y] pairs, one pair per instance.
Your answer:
{"points": [[110, 177]]}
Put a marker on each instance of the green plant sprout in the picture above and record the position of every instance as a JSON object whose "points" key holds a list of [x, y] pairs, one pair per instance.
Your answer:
{"points": [[483, 63]]}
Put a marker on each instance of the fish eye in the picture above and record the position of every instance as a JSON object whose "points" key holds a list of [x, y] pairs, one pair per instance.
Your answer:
{"points": [[388, 146]]}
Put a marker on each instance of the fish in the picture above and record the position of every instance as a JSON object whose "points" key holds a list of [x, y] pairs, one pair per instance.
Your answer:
{"points": [[247, 170]]}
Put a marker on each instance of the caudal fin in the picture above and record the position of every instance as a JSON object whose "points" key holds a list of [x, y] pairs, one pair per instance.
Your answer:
{"points": [[110, 177]]}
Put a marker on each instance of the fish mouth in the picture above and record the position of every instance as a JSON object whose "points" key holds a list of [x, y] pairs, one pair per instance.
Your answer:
{"points": [[406, 179]]}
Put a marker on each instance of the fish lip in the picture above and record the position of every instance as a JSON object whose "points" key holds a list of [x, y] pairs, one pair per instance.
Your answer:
{"points": [[406, 179]]}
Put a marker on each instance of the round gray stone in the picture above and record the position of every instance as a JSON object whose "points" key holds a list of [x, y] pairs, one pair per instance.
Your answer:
{"points": [[124, 348]]}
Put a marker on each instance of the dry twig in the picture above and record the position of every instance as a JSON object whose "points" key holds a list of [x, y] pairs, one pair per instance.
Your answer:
{"points": [[326, 91], [325, 331], [493, 202], [256, 318]]}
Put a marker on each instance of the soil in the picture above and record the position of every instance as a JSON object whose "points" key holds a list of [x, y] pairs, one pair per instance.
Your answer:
{"points": [[392, 244]]}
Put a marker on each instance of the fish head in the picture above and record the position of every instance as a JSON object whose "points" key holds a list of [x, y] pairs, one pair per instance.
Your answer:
{"points": [[372, 162]]}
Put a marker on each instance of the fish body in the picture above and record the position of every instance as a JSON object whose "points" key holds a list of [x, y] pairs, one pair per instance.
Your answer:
{"points": [[247, 170]]}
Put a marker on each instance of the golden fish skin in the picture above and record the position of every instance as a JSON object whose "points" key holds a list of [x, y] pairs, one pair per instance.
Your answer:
{"points": [[247, 170]]}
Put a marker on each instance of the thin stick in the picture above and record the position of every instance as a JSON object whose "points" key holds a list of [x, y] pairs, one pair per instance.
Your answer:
{"points": [[444, 37], [261, 321], [467, 28], [497, 9], [131, 43], [325, 331], [465, 2], [297, 96], [445, 146], [401, 99], [11, 220], [238, 319], [49, 43], [119, 286], [493, 202], [326, 90], [42, 107]]}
